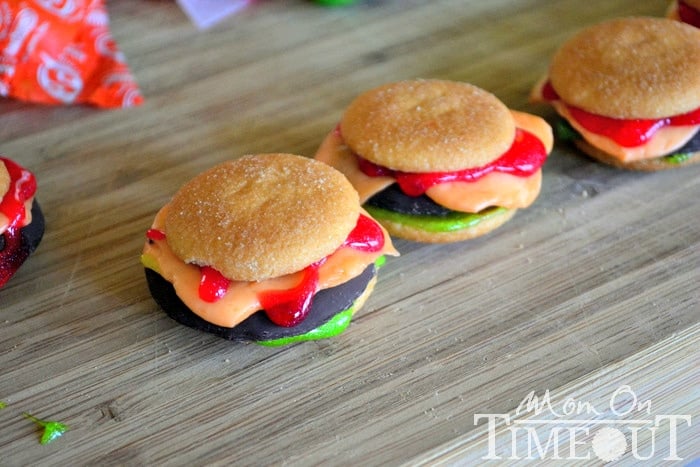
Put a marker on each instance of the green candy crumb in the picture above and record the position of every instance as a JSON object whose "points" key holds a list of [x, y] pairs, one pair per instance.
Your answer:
{"points": [[453, 221], [3, 405], [52, 430]]}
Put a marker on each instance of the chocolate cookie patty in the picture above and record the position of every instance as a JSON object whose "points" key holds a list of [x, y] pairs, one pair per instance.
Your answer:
{"points": [[326, 304]]}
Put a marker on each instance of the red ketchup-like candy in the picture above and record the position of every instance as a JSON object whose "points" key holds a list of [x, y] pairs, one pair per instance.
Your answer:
{"points": [[212, 284], [290, 307], [155, 234], [688, 14], [366, 236], [525, 156], [22, 188], [626, 133]]}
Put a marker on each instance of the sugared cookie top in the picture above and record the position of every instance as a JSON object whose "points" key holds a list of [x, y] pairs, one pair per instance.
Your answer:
{"points": [[630, 68], [4, 180], [261, 216], [428, 126]]}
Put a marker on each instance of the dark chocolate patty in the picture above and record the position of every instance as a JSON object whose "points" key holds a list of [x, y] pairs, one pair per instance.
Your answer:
{"points": [[393, 199], [326, 304], [32, 233]]}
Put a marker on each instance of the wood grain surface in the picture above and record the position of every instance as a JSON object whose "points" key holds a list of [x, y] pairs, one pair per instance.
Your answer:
{"points": [[593, 288]]}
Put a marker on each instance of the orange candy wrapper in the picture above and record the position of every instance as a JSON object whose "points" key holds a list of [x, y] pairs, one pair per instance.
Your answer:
{"points": [[62, 52]]}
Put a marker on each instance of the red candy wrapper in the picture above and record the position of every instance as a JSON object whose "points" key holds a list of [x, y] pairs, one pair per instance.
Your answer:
{"points": [[62, 52]]}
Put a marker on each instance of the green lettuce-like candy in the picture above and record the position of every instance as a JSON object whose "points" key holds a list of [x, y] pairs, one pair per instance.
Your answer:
{"points": [[677, 158], [331, 328], [449, 223], [563, 131]]}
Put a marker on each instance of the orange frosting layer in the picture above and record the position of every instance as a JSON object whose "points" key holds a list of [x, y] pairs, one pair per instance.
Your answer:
{"points": [[241, 300], [494, 189], [335, 153]]}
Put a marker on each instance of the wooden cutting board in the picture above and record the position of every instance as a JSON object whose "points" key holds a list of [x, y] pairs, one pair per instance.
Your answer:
{"points": [[592, 290]]}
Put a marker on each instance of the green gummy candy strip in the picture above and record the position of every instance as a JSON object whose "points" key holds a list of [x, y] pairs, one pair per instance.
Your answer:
{"points": [[564, 131], [379, 262], [335, 326], [677, 158], [449, 223]]}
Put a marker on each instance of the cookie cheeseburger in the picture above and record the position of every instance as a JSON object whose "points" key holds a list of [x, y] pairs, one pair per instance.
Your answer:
{"points": [[21, 219], [271, 248], [438, 161], [629, 92]]}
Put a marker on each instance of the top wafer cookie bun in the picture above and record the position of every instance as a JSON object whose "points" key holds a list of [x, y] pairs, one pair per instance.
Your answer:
{"points": [[428, 126], [630, 68], [262, 216]]}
